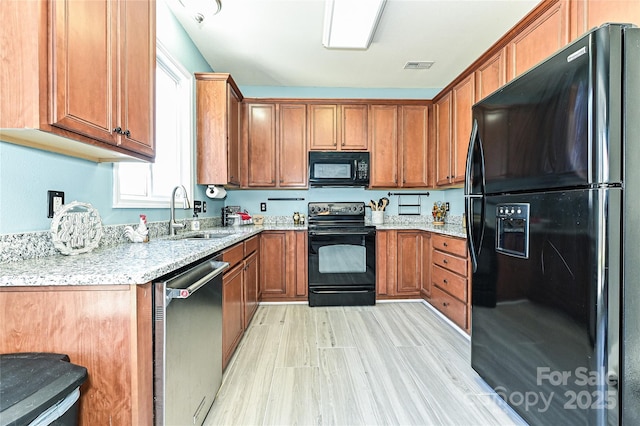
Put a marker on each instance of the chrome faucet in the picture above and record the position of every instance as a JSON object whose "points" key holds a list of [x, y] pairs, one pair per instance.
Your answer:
{"points": [[173, 225]]}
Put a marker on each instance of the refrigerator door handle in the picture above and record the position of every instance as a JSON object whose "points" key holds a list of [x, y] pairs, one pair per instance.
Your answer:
{"points": [[467, 172], [471, 243], [470, 196]]}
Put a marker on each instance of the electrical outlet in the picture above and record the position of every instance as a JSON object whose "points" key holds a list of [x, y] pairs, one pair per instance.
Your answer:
{"points": [[55, 201], [446, 206], [197, 206], [263, 207]]}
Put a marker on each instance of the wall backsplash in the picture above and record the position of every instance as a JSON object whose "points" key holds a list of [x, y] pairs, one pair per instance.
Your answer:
{"points": [[250, 199]]}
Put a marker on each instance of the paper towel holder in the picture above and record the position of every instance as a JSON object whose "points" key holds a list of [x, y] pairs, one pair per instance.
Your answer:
{"points": [[216, 191]]}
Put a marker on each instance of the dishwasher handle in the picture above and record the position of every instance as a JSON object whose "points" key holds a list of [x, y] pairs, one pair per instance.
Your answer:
{"points": [[178, 292]]}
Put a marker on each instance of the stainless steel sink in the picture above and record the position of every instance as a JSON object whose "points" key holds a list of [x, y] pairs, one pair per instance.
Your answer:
{"points": [[206, 235]]}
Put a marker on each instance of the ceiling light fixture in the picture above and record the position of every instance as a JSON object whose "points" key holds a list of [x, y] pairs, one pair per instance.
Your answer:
{"points": [[201, 8], [350, 24]]}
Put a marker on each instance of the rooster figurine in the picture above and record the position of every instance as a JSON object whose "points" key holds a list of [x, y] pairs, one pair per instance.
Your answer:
{"points": [[140, 234]]}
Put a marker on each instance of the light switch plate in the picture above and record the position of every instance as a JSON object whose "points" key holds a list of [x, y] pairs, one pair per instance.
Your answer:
{"points": [[55, 201]]}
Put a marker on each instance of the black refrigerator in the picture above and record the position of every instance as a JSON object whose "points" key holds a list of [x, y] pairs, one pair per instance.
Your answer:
{"points": [[552, 197]]}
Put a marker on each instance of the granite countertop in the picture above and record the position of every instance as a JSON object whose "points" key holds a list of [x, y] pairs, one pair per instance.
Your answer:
{"points": [[135, 263], [131, 264], [453, 230]]}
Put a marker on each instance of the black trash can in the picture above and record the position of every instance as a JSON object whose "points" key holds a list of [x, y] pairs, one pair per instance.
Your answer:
{"points": [[39, 388]]}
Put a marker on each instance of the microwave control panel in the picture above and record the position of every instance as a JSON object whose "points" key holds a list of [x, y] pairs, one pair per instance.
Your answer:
{"points": [[363, 170]]}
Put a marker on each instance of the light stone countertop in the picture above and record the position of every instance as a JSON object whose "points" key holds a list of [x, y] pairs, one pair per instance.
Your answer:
{"points": [[139, 263], [453, 230]]}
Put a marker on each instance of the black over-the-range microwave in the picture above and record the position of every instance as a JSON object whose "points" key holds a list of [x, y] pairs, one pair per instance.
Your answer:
{"points": [[338, 168]]}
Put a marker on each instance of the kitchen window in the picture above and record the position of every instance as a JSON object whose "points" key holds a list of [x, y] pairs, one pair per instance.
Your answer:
{"points": [[149, 184]]}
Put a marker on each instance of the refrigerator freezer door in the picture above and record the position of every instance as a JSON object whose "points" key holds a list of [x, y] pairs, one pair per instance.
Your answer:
{"points": [[558, 125], [538, 321]]}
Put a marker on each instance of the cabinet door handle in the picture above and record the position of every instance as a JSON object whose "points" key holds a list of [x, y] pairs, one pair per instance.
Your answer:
{"points": [[127, 133], [118, 130]]}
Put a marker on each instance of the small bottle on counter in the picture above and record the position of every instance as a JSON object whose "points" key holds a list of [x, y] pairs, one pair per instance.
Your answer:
{"points": [[195, 223]]}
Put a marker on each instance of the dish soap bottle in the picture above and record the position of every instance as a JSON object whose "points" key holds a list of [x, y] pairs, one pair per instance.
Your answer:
{"points": [[195, 223]]}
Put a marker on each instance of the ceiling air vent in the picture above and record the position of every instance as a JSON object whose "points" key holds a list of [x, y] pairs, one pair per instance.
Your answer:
{"points": [[418, 65]]}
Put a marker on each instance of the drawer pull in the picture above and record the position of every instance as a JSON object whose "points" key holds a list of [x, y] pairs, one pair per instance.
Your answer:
{"points": [[445, 261], [445, 244], [445, 304], [445, 281]]}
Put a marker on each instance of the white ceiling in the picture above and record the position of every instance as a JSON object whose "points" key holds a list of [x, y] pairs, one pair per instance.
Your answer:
{"points": [[279, 42]]}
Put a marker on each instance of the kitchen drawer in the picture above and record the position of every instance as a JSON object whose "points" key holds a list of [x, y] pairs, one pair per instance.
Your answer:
{"points": [[451, 307], [251, 245], [451, 245], [450, 282], [450, 262], [233, 255]]}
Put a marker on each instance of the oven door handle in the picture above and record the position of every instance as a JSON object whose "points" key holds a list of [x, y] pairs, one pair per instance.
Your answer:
{"points": [[338, 291], [312, 233]]}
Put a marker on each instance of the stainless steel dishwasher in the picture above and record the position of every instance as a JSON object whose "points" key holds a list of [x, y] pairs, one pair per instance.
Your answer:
{"points": [[188, 342]]}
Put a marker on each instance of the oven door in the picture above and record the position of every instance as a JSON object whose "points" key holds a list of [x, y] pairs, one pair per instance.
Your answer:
{"points": [[342, 267]]}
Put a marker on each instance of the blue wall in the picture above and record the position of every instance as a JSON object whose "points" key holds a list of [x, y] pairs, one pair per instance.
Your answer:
{"points": [[250, 199]]}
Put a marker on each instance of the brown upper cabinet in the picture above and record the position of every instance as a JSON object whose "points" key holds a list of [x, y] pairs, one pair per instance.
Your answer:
{"points": [[491, 74], [463, 100], [90, 96], [259, 145], [399, 142], [275, 151], [443, 117], [453, 128], [414, 144], [292, 146], [218, 129], [338, 127], [548, 33], [593, 13], [383, 135]]}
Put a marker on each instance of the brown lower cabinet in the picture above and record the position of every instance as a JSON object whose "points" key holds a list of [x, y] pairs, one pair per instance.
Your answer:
{"points": [[401, 263], [239, 293], [283, 275], [106, 328], [413, 264], [450, 290]]}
